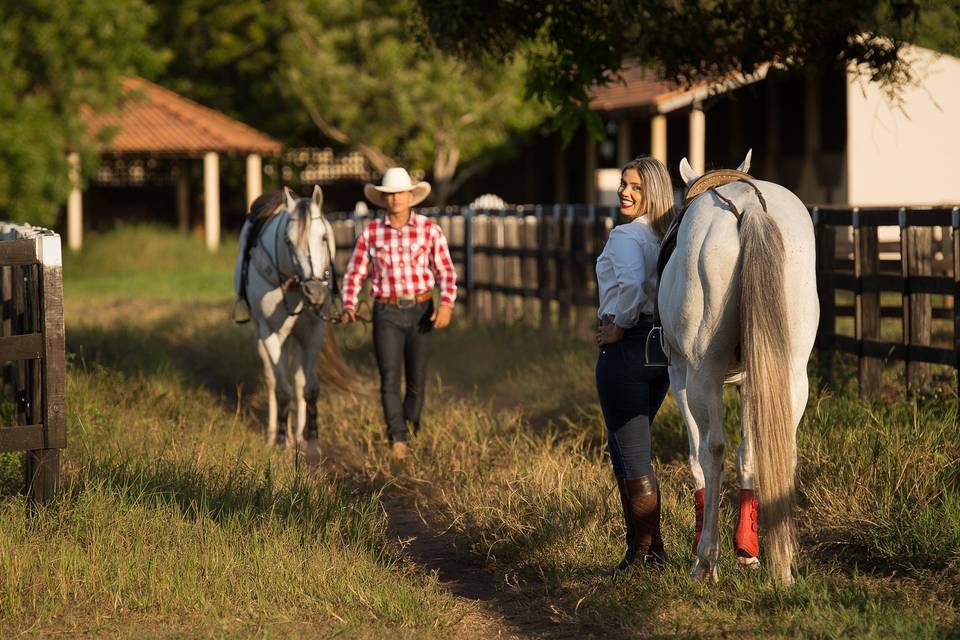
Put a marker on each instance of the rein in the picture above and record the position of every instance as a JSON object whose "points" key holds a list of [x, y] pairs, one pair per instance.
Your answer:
{"points": [[288, 283]]}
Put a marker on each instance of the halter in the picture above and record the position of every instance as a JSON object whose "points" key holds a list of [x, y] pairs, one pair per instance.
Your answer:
{"points": [[299, 278]]}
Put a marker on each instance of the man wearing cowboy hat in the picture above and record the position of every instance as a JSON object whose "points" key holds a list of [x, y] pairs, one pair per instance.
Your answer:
{"points": [[405, 255]]}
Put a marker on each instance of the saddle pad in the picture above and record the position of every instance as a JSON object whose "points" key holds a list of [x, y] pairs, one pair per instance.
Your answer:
{"points": [[709, 180], [264, 266]]}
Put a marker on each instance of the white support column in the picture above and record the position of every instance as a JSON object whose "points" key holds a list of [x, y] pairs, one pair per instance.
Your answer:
{"points": [[624, 141], [74, 205], [254, 178], [211, 199], [658, 137], [698, 138]]}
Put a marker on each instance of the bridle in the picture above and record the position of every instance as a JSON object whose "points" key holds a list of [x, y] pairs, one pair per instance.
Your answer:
{"points": [[300, 278]]}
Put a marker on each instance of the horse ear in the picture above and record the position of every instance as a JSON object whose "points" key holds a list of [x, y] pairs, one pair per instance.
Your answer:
{"points": [[745, 165], [289, 199], [318, 196], [687, 172]]}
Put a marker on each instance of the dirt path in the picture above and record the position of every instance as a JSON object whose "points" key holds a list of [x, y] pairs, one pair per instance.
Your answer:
{"points": [[497, 609]]}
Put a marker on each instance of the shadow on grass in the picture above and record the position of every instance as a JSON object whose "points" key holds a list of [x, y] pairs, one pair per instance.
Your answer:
{"points": [[238, 495]]}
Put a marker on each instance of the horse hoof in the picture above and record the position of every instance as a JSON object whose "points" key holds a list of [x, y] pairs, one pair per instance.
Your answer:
{"points": [[751, 562]]}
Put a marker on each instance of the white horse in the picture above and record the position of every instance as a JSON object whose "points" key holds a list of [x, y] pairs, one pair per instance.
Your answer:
{"points": [[288, 281], [743, 274]]}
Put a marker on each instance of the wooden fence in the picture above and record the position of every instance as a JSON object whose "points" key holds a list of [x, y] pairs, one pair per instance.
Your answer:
{"points": [[922, 275], [535, 264], [529, 264], [32, 350]]}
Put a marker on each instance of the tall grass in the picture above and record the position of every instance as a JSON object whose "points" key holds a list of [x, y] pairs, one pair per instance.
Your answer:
{"points": [[176, 518]]}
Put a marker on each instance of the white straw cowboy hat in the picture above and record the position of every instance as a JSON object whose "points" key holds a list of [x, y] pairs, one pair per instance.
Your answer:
{"points": [[396, 180]]}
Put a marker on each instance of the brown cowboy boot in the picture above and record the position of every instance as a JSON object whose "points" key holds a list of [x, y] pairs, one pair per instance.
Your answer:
{"points": [[657, 554], [641, 514], [631, 553], [644, 494]]}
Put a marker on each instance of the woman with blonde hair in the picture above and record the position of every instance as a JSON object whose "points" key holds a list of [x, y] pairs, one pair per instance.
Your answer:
{"points": [[630, 389]]}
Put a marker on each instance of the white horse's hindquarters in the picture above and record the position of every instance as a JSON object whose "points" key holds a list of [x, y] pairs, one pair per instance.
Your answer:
{"points": [[693, 293]]}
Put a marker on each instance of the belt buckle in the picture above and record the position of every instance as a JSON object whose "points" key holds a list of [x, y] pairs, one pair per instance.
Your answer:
{"points": [[406, 302]]}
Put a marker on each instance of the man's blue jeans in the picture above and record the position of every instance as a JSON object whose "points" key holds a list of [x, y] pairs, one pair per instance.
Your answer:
{"points": [[401, 340]]}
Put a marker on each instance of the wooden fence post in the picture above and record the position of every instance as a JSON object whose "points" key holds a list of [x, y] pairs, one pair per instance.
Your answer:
{"points": [[582, 272], [955, 229], [826, 256], [498, 264], [457, 238], [549, 243], [532, 307], [481, 269], [920, 259], [866, 262], [565, 267], [512, 266]]}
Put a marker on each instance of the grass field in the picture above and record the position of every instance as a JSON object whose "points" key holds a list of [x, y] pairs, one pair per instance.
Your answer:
{"points": [[175, 521]]}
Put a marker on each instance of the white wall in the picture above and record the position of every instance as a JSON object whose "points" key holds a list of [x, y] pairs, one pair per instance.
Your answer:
{"points": [[911, 156]]}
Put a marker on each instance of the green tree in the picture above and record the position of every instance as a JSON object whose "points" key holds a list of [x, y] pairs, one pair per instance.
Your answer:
{"points": [[579, 43], [226, 55], [354, 73], [56, 57]]}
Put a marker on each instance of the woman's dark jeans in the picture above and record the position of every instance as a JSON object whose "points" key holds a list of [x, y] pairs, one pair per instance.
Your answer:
{"points": [[401, 340], [630, 395]]}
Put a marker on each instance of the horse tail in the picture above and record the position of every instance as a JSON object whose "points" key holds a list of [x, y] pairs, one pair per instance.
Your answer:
{"points": [[333, 369], [766, 403]]}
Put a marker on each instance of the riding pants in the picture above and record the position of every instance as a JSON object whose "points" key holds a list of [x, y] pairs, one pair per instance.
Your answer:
{"points": [[401, 339], [630, 394]]}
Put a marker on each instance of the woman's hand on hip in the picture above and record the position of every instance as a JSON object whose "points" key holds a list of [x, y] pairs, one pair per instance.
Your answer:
{"points": [[608, 334]]}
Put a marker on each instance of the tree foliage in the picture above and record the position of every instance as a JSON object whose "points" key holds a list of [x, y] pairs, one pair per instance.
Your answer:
{"points": [[354, 73], [577, 43], [367, 81], [54, 57]]}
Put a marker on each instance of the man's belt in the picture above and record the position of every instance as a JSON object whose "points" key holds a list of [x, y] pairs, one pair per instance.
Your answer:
{"points": [[406, 301]]}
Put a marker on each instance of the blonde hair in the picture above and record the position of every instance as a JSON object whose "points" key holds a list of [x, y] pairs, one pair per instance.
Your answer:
{"points": [[657, 191]]}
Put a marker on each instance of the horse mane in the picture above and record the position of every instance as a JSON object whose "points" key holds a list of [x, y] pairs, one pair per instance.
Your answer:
{"points": [[302, 215]]}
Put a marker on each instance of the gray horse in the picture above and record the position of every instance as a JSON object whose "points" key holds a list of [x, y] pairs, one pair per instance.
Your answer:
{"points": [[284, 275]]}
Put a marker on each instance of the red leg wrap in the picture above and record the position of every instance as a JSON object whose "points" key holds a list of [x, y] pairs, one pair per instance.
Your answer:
{"points": [[698, 507], [745, 541]]}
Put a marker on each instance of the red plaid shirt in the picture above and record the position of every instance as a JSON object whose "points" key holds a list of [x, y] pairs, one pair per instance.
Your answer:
{"points": [[401, 261]]}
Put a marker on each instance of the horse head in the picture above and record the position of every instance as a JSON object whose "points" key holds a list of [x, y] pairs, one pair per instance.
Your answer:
{"points": [[311, 242]]}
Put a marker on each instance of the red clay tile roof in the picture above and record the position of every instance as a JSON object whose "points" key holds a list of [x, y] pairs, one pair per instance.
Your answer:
{"points": [[164, 122], [642, 88]]}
